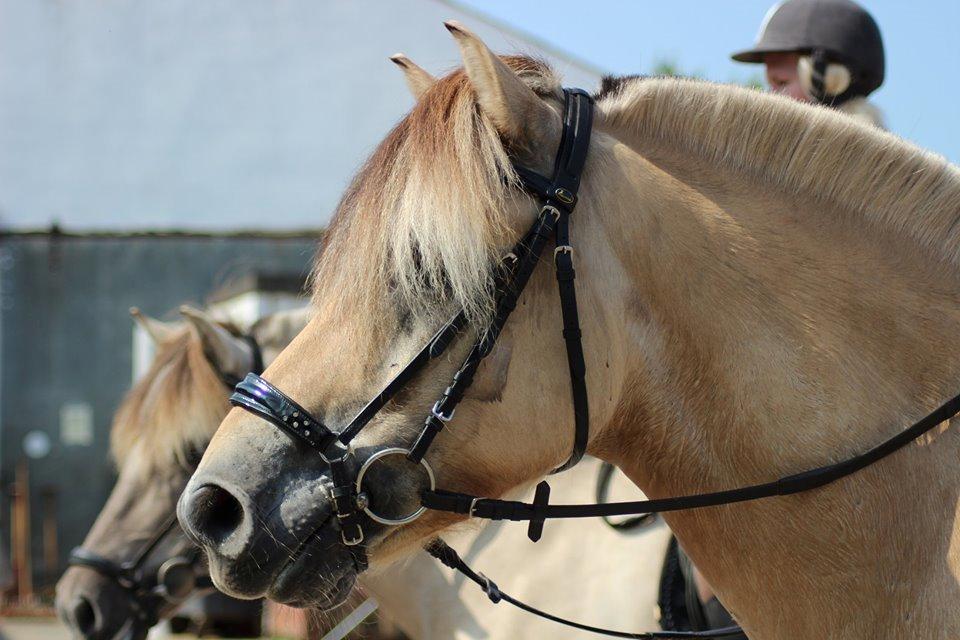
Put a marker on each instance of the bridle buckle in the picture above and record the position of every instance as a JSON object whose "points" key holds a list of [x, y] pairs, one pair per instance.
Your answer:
{"points": [[439, 415], [552, 209], [353, 541], [562, 248]]}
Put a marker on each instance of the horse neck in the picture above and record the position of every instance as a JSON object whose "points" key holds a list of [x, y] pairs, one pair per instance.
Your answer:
{"points": [[770, 334]]}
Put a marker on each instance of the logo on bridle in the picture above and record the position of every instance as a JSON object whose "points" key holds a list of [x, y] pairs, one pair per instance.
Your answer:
{"points": [[564, 196]]}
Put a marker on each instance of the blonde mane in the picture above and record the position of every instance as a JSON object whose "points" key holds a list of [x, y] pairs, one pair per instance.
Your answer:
{"points": [[422, 221], [172, 411], [801, 149]]}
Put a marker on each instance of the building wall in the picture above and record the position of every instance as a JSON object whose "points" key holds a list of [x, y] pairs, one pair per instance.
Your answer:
{"points": [[66, 342], [216, 115]]}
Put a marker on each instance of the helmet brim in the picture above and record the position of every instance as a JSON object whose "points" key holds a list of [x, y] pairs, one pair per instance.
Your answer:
{"points": [[756, 55]]}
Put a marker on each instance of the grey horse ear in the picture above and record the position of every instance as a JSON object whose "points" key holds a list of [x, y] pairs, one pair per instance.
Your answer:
{"points": [[418, 79], [158, 330], [227, 353], [517, 112]]}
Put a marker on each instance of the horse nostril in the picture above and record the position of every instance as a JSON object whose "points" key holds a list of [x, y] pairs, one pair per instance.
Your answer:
{"points": [[214, 513], [85, 617]]}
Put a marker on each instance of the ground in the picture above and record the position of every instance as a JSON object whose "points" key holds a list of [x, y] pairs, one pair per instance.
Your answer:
{"points": [[51, 629]]}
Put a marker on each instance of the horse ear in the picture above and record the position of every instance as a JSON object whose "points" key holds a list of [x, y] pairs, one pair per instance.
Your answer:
{"points": [[418, 79], [227, 353], [157, 330], [517, 112]]}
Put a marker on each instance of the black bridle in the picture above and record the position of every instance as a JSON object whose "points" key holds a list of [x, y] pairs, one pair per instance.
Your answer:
{"points": [[558, 197], [176, 577], [173, 582], [256, 362]]}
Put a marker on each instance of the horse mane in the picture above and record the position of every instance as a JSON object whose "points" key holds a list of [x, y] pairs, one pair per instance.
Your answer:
{"points": [[172, 411], [802, 149], [423, 219]]}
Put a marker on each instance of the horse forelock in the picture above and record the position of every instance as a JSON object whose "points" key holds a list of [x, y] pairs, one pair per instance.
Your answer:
{"points": [[423, 221], [172, 410], [808, 150]]}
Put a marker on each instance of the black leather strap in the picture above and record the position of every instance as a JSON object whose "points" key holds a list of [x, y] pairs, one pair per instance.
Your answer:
{"points": [[129, 574], [258, 396], [263, 399], [343, 495], [560, 190], [120, 573], [572, 337], [430, 351], [510, 285], [256, 364], [486, 508], [439, 550]]}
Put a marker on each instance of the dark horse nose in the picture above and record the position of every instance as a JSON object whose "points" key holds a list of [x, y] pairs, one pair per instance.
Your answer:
{"points": [[79, 611], [215, 517], [84, 616]]}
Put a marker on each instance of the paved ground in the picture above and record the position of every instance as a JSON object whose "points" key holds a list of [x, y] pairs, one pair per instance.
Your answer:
{"points": [[32, 629], [51, 629]]}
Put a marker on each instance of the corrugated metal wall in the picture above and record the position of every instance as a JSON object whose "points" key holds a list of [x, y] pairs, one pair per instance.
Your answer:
{"points": [[65, 343]]}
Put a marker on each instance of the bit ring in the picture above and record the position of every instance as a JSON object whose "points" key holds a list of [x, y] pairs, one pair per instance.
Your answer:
{"points": [[383, 453]]}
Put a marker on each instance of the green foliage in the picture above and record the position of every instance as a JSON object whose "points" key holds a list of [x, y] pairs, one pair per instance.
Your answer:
{"points": [[666, 67]]}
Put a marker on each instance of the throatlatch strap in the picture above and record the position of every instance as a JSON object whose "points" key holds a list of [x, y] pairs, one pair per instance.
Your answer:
{"points": [[568, 167], [804, 481], [450, 558], [566, 275]]}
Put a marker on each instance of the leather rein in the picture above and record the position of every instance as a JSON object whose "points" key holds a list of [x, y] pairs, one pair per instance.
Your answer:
{"points": [[558, 197]]}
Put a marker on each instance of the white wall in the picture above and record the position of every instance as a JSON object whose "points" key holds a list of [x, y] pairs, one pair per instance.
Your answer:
{"points": [[218, 114]]}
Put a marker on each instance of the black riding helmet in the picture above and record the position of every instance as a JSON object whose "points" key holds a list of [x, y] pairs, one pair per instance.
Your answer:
{"points": [[831, 31]]}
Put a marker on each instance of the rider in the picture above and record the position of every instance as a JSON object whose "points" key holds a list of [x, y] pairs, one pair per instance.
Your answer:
{"points": [[824, 51]]}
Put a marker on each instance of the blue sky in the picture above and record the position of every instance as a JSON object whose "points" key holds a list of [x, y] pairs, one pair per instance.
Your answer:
{"points": [[919, 96]]}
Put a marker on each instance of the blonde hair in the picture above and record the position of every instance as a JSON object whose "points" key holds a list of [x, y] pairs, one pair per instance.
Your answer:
{"points": [[173, 410], [423, 220], [802, 149]]}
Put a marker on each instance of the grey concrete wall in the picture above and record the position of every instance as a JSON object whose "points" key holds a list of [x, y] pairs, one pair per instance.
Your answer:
{"points": [[66, 337]]}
